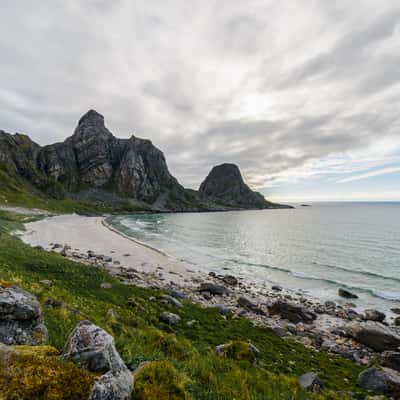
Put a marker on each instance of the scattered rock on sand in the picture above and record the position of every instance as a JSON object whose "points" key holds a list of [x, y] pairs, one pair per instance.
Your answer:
{"points": [[21, 320], [374, 315], [169, 318], [293, 312], [94, 349], [213, 289], [310, 381], [374, 335], [382, 381], [346, 294]]}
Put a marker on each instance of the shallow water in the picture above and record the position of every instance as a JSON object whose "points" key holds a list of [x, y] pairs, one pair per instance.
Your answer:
{"points": [[316, 249]]}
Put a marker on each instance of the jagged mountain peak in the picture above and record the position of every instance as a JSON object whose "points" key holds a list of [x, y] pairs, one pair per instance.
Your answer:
{"points": [[92, 117]]}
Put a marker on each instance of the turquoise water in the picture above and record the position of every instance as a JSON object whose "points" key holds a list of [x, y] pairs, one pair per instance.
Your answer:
{"points": [[316, 249]]}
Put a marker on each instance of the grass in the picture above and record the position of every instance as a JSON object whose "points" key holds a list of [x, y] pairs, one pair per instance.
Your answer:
{"points": [[191, 368]]}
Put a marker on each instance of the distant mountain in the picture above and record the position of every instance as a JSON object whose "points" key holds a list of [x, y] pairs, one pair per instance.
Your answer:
{"points": [[93, 165], [224, 186]]}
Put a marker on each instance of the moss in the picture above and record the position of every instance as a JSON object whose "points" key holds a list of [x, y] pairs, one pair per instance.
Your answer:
{"points": [[238, 350], [158, 380], [36, 372]]}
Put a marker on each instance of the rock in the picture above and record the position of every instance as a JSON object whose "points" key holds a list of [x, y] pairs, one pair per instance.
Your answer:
{"points": [[106, 285], [293, 312], [94, 349], [391, 359], [238, 350], [222, 309], [57, 246], [249, 304], [279, 331], [177, 294], [106, 258], [53, 303], [395, 310], [374, 315], [21, 320], [346, 294], [277, 288], [213, 289], [91, 254], [169, 318], [224, 185], [230, 280], [310, 381], [46, 282], [173, 301], [292, 328], [207, 295], [396, 321], [382, 381], [330, 304], [374, 335]]}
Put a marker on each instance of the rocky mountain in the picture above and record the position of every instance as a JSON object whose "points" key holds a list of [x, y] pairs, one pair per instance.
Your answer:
{"points": [[224, 186], [95, 166]]}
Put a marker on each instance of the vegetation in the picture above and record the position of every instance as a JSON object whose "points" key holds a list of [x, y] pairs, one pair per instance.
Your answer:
{"points": [[183, 360]]}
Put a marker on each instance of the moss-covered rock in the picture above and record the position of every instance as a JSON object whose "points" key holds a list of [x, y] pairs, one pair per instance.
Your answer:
{"points": [[36, 372], [158, 380], [238, 350]]}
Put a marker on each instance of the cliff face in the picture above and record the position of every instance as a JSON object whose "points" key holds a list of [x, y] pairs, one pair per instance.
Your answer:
{"points": [[224, 186], [93, 164]]}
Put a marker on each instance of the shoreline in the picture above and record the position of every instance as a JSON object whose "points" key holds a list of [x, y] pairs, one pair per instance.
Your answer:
{"points": [[92, 242]]}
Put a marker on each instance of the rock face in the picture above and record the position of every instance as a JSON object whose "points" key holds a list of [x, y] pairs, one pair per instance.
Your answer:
{"points": [[293, 312], [224, 186], [374, 335], [21, 320], [93, 349]]}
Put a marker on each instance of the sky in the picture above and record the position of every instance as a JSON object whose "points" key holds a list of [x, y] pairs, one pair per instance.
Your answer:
{"points": [[303, 95]]}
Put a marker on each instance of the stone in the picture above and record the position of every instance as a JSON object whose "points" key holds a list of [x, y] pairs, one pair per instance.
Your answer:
{"points": [[177, 294], [374, 315], [249, 304], [46, 282], [330, 304], [222, 309], [238, 350], [207, 295], [293, 312], [169, 318], [381, 381], [21, 319], [106, 285], [172, 300], [374, 335], [277, 288], [93, 349], [213, 289], [53, 303], [230, 280], [391, 359], [346, 294], [106, 258], [311, 382], [279, 331]]}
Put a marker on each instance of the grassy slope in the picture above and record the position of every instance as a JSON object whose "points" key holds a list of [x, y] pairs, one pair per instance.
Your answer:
{"points": [[140, 336]]}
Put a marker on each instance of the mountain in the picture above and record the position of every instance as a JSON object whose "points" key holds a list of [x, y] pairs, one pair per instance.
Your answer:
{"points": [[94, 166], [224, 186]]}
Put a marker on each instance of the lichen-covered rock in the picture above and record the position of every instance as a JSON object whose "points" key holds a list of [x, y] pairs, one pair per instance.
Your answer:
{"points": [[93, 349], [374, 335], [21, 320]]}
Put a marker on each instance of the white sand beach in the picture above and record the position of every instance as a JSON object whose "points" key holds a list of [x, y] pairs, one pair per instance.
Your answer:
{"points": [[83, 233]]}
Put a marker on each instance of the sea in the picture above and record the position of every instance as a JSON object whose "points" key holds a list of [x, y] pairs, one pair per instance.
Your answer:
{"points": [[315, 249]]}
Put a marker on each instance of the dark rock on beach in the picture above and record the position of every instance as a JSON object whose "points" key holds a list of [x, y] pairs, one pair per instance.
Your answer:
{"points": [[293, 312], [346, 294], [374, 315], [213, 289]]}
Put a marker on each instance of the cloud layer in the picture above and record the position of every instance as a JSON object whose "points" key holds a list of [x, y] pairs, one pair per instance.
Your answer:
{"points": [[290, 92]]}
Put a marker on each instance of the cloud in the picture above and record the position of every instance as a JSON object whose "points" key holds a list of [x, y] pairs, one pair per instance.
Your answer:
{"points": [[291, 92], [384, 171]]}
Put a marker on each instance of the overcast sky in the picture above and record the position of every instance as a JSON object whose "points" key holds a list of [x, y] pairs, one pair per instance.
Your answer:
{"points": [[303, 95]]}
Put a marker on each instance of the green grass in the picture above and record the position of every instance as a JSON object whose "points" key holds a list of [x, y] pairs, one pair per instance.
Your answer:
{"points": [[141, 337]]}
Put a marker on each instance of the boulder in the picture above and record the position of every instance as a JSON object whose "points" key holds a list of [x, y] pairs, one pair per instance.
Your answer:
{"points": [[213, 289], [249, 304], [238, 350], [169, 318], [94, 349], [391, 359], [374, 315], [382, 381], [21, 320], [230, 280], [373, 334], [277, 288], [346, 294], [293, 312], [177, 294], [310, 381]]}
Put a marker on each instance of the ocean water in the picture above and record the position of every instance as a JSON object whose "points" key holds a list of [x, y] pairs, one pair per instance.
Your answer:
{"points": [[315, 249]]}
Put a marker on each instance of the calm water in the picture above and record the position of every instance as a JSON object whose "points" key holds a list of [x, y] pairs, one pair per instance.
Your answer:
{"points": [[316, 249]]}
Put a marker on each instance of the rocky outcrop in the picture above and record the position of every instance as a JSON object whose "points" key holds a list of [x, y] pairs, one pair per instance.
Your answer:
{"points": [[374, 335], [21, 320], [224, 186], [94, 349]]}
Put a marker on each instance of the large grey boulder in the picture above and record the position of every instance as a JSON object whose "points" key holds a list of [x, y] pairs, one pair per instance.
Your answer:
{"points": [[374, 335], [382, 381], [391, 359], [293, 312], [93, 349], [311, 381], [21, 320]]}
